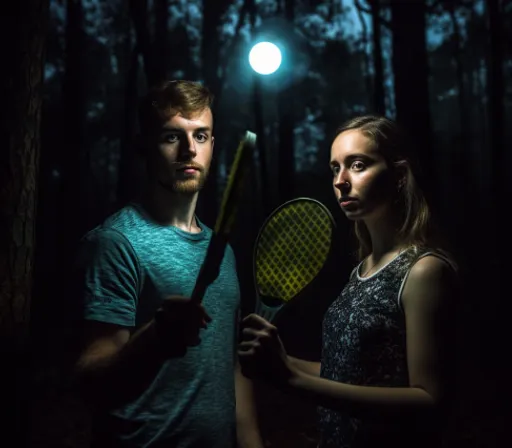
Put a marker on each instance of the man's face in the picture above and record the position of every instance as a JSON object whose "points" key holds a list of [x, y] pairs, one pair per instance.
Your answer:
{"points": [[183, 154]]}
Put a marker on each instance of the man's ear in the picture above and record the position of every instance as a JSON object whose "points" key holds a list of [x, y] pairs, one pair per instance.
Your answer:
{"points": [[213, 141]]}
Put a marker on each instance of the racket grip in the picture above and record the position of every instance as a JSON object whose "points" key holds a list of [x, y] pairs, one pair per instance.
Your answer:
{"points": [[210, 268]]}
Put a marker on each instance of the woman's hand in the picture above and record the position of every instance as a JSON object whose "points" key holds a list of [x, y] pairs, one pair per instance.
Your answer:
{"points": [[261, 352]]}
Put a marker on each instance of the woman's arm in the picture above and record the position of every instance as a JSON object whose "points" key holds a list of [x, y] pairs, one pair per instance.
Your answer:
{"points": [[427, 292], [309, 367]]}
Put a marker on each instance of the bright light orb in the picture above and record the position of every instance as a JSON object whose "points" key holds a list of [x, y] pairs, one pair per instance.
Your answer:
{"points": [[265, 58]]}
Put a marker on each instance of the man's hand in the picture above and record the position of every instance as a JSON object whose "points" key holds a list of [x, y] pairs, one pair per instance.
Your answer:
{"points": [[261, 352], [178, 324]]}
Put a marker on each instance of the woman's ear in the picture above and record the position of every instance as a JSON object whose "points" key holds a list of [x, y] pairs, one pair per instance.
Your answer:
{"points": [[402, 169]]}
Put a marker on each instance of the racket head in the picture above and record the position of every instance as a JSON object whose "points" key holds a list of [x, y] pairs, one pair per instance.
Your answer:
{"points": [[292, 247]]}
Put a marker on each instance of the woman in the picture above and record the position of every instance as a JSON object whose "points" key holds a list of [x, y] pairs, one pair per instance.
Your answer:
{"points": [[383, 375]]}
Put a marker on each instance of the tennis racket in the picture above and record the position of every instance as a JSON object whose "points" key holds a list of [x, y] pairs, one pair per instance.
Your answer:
{"points": [[292, 247], [229, 206]]}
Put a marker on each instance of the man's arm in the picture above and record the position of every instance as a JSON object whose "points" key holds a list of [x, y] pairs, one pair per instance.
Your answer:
{"points": [[112, 359], [248, 434], [109, 352]]}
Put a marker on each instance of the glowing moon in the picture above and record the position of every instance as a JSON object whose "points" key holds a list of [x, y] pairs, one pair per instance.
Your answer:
{"points": [[265, 58]]}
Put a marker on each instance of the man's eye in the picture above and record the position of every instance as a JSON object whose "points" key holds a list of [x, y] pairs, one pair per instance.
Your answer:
{"points": [[171, 138], [201, 138], [335, 170]]}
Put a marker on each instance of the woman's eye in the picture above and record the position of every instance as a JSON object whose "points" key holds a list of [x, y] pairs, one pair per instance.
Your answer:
{"points": [[358, 165]]}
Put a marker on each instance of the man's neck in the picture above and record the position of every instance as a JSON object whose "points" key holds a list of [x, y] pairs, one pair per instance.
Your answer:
{"points": [[172, 209]]}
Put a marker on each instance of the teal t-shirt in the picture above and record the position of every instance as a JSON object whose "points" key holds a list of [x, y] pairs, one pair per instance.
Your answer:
{"points": [[129, 264]]}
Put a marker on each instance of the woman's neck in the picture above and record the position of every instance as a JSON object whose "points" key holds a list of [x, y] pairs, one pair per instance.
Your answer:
{"points": [[384, 237]]}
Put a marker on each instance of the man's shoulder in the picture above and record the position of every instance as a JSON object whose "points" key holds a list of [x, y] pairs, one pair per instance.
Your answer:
{"points": [[114, 232], [126, 220]]}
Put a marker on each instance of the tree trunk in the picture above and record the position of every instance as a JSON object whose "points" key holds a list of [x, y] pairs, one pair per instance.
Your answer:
{"points": [[496, 114], [368, 102], [378, 78], [410, 69], [210, 69], [23, 27], [72, 220], [462, 156], [128, 176], [286, 139], [161, 45], [139, 13]]}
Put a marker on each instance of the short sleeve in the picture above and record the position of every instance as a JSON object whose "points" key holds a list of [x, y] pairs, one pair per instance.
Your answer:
{"points": [[106, 278]]}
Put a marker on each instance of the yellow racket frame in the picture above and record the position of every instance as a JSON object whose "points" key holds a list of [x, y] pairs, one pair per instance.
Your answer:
{"points": [[287, 257]]}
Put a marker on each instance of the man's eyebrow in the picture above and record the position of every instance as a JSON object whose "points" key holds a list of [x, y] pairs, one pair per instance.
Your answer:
{"points": [[181, 130]]}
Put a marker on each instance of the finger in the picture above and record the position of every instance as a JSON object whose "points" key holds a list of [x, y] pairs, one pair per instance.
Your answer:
{"points": [[250, 333], [255, 321], [246, 352], [248, 346], [206, 316]]}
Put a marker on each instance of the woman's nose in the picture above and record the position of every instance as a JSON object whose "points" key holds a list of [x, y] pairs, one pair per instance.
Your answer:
{"points": [[341, 182]]}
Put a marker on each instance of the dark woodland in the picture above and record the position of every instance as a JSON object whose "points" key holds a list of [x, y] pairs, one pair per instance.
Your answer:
{"points": [[73, 73]]}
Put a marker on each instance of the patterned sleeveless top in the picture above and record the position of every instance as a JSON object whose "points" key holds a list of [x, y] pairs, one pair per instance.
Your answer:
{"points": [[364, 344]]}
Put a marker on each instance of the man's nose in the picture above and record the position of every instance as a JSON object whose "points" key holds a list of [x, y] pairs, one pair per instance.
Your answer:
{"points": [[188, 146]]}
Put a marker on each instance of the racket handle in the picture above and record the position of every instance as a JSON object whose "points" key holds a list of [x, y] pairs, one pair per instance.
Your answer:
{"points": [[210, 268]]}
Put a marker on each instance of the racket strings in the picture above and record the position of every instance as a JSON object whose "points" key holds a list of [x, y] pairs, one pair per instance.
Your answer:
{"points": [[292, 248]]}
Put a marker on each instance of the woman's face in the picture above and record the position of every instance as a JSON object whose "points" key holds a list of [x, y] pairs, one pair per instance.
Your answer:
{"points": [[363, 182]]}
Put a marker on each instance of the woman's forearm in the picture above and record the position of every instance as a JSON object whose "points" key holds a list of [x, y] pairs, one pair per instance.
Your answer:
{"points": [[309, 367], [360, 401]]}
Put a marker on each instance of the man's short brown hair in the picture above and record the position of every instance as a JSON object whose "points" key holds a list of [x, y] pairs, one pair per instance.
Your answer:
{"points": [[170, 98]]}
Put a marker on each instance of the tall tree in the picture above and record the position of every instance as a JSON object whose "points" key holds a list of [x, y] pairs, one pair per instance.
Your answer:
{"points": [[140, 18], [73, 163], [211, 71], [496, 106], [128, 54], [286, 139], [378, 77], [23, 42], [161, 42], [410, 68], [378, 103]]}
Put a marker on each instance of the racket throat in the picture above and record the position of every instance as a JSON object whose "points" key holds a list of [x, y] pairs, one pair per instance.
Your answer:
{"points": [[268, 307]]}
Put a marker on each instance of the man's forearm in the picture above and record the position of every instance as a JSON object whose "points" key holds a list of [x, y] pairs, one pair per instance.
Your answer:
{"points": [[248, 434], [123, 374]]}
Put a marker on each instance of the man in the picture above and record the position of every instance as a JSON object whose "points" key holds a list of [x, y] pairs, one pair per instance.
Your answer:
{"points": [[161, 370]]}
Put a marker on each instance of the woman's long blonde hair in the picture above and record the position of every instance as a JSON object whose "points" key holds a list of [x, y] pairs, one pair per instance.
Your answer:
{"points": [[415, 223]]}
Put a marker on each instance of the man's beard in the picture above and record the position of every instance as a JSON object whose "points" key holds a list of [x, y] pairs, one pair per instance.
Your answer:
{"points": [[187, 186]]}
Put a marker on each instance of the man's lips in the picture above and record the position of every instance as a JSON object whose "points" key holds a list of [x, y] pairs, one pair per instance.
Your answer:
{"points": [[189, 168]]}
